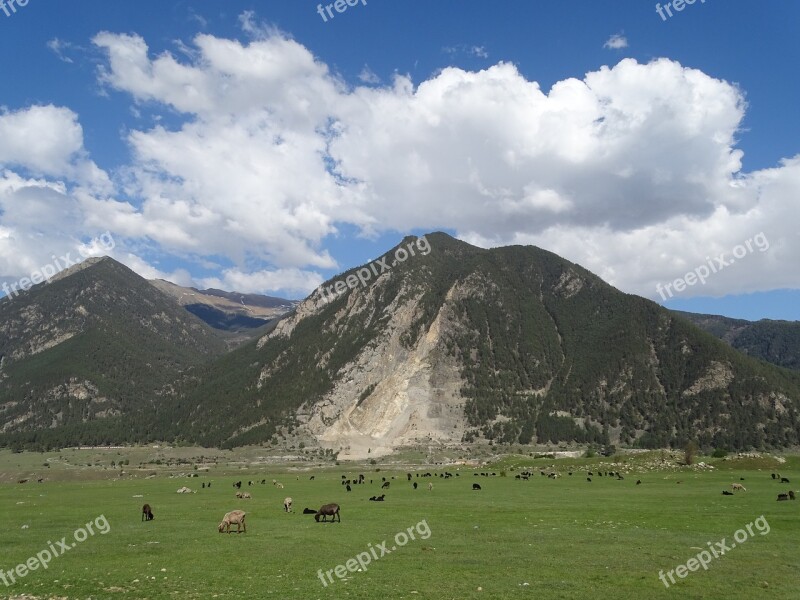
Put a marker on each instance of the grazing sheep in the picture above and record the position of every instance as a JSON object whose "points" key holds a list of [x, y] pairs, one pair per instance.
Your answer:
{"points": [[638, 482], [589, 479], [279, 486], [727, 493], [243, 495], [415, 485], [784, 480], [476, 486], [738, 487], [349, 489], [385, 485], [791, 495], [311, 478], [773, 475], [309, 511], [328, 510], [235, 517], [782, 497], [184, 490], [147, 513], [430, 487], [287, 504]]}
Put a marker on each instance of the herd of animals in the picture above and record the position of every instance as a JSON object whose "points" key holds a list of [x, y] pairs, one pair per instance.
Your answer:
{"points": [[237, 517]]}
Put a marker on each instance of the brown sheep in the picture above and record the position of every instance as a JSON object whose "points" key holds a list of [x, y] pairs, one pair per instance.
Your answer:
{"points": [[328, 510], [235, 517], [147, 513]]}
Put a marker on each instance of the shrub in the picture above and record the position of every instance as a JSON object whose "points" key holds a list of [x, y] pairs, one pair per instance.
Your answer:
{"points": [[690, 452], [720, 453]]}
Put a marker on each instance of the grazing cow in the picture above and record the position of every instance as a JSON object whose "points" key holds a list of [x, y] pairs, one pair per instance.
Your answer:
{"points": [[476, 486], [738, 487], [311, 478], [235, 517], [791, 495], [415, 485], [287, 504], [727, 493], [328, 510], [147, 513], [589, 479], [309, 511], [349, 489], [782, 497], [385, 485], [638, 482], [784, 480], [590, 474], [741, 478], [570, 473]]}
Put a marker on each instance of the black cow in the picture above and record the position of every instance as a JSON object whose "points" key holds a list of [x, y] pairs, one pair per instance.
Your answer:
{"points": [[784, 480], [476, 486]]}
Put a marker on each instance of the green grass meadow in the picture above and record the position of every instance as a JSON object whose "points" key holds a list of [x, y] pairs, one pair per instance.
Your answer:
{"points": [[543, 538]]}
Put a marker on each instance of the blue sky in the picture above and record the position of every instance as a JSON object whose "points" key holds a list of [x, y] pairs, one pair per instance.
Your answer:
{"points": [[255, 146]]}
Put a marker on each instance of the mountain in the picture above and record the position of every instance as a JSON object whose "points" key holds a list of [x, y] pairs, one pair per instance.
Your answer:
{"points": [[777, 342], [84, 356], [435, 342], [227, 311], [511, 345]]}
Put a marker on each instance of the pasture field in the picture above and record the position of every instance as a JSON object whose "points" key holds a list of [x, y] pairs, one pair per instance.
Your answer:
{"points": [[543, 538]]}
